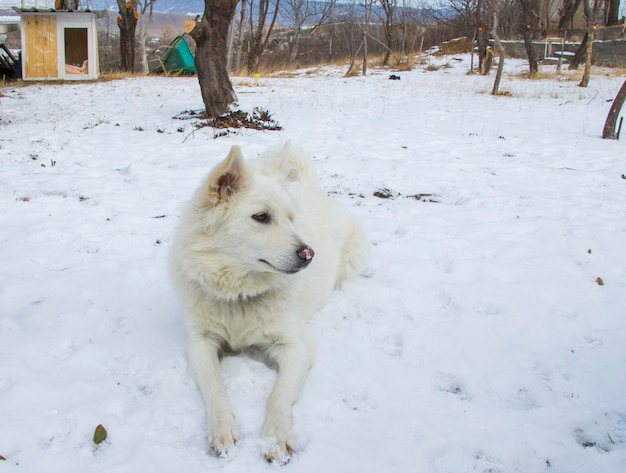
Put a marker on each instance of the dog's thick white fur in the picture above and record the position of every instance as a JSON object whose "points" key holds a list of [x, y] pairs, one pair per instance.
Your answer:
{"points": [[257, 252]]}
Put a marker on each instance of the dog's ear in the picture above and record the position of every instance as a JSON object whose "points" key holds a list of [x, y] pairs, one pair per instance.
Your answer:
{"points": [[294, 165], [227, 177]]}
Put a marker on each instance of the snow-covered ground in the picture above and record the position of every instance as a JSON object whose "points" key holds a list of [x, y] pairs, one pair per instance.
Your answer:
{"points": [[479, 338]]}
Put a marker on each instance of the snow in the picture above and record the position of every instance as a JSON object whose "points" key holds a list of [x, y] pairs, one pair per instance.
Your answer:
{"points": [[478, 339]]}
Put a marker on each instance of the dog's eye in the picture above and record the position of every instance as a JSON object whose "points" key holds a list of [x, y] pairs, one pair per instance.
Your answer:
{"points": [[261, 217]]}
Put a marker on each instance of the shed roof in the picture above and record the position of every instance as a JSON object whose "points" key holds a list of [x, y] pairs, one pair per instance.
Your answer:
{"points": [[49, 10]]}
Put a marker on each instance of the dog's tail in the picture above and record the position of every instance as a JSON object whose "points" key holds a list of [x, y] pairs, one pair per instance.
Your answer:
{"points": [[291, 162], [354, 255]]}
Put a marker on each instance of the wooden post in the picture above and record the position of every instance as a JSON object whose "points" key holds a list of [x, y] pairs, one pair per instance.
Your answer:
{"points": [[560, 63]]}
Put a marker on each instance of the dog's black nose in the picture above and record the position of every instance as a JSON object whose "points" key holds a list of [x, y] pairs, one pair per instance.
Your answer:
{"points": [[306, 253]]}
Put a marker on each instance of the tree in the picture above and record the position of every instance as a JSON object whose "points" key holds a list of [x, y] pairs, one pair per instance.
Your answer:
{"points": [[144, 6], [510, 17], [462, 18], [368, 6], [238, 49], [459, 15], [482, 39], [530, 9], [301, 13], [580, 54], [590, 13], [500, 48], [568, 10], [388, 9], [612, 16], [127, 22], [260, 36], [211, 36], [410, 20], [350, 34]]}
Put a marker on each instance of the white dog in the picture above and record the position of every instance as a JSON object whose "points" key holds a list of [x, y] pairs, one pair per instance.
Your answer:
{"points": [[257, 252]]}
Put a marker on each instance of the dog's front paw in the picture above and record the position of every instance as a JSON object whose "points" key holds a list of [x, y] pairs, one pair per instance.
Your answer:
{"points": [[278, 451], [223, 434], [278, 447]]}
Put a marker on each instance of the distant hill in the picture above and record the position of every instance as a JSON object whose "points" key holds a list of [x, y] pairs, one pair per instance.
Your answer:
{"points": [[161, 6]]}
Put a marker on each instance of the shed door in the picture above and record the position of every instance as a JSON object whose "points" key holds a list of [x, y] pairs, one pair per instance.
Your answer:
{"points": [[41, 47], [76, 51]]}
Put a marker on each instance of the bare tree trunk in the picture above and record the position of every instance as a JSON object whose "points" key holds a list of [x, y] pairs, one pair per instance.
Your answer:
{"points": [[482, 39], [531, 11], [612, 16], [239, 51], [388, 7], [330, 48], [229, 47], [587, 72], [294, 46], [496, 82], [364, 69], [471, 71], [500, 48], [368, 5], [211, 35], [304, 16], [533, 62], [566, 22], [127, 21], [390, 45], [591, 11], [259, 41], [609, 131], [581, 53], [141, 42], [353, 56], [350, 33], [146, 5]]}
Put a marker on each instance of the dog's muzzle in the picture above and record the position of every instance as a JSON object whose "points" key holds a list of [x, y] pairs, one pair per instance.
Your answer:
{"points": [[291, 265]]}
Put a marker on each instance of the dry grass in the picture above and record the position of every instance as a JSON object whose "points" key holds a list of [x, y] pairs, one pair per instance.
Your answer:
{"points": [[404, 63], [548, 74], [118, 75], [566, 74], [273, 70], [104, 77], [397, 62], [295, 72], [610, 72], [435, 67], [354, 72], [375, 62], [455, 46]]}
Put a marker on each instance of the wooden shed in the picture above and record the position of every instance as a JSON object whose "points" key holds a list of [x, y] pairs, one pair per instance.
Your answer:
{"points": [[59, 45]]}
